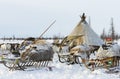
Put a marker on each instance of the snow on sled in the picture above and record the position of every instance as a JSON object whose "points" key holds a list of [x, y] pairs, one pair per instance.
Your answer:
{"points": [[108, 57], [37, 54]]}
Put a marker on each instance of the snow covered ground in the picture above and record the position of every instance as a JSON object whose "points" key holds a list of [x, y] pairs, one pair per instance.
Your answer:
{"points": [[11, 41], [59, 71]]}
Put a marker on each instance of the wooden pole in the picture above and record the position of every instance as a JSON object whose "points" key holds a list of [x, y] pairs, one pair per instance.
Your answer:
{"points": [[47, 28]]}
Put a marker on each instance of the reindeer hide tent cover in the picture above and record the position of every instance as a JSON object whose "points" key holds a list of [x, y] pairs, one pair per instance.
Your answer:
{"points": [[81, 48], [83, 34]]}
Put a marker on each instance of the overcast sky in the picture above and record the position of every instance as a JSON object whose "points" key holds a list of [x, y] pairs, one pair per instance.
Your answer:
{"points": [[25, 18]]}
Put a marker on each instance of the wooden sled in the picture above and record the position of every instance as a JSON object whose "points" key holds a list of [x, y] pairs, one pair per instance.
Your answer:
{"points": [[92, 64], [109, 62], [35, 60]]}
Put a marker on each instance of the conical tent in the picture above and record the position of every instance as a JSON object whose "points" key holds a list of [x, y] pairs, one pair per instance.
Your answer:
{"points": [[85, 34]]}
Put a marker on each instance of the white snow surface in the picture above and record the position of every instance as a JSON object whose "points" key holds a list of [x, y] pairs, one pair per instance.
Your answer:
{"points": [[59, 71], [11, 41]]}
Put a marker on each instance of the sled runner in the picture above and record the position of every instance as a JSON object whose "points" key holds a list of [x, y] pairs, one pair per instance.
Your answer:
{"points": [[69, 58], [19, 64]]}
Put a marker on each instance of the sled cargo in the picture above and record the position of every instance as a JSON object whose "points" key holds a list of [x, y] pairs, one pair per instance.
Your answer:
{"points": [[108, 62]]}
